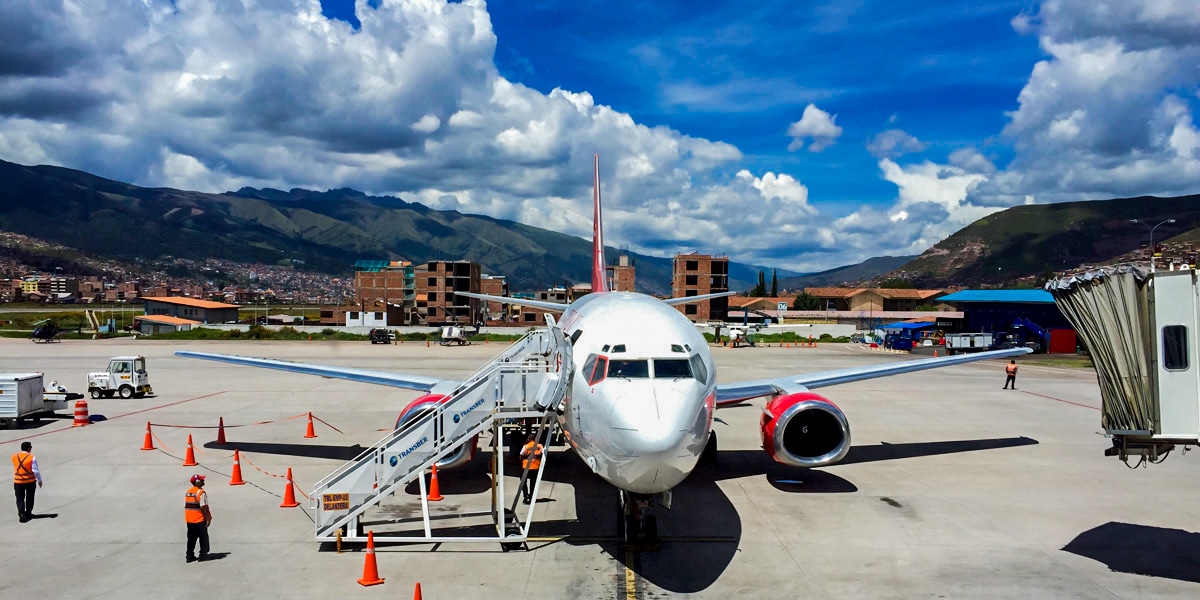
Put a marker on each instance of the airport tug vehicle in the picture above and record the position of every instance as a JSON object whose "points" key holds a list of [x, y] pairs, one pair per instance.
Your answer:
{"points": [[126, 377]]}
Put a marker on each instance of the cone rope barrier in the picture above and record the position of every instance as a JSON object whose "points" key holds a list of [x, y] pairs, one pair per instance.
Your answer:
{"points": [[289, 493], [189, 459], [81, 414], [236, 479], [435, 493], [310, 433], [221, 432], [370, 569], [148, 444]]}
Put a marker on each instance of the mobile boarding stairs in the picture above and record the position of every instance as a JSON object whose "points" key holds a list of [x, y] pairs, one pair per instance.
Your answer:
{"points": [[527, 381]]}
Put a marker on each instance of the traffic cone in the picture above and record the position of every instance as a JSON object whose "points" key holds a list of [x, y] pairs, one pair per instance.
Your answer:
{"points": [[289, 494], [310, 433], [435, 493], [221, 432], [149, 443], [189, 459], [81, 414], [237, 471], [935, 353], [417, 592], [370, 569]]}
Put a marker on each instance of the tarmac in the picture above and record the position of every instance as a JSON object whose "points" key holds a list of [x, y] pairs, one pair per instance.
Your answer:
{"points": [[954, 488]]}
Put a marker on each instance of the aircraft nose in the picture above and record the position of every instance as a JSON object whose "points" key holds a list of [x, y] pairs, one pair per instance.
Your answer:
{"points": [[656, 436]]}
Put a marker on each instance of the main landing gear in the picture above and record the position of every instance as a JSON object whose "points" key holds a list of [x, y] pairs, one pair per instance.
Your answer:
{"points": [[637, 526]]}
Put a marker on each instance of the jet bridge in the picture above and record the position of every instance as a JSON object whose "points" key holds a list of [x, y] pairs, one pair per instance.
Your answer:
{"points": [[527, 380], [1141, 330]]}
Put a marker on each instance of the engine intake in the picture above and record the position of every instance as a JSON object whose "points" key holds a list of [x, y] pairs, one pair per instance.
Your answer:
{"points": [[805, 430], [424, 405]]}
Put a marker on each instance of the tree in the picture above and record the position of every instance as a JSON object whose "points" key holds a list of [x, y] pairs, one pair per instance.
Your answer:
{"points": [[759, 290], [774, 283], [896, 283], [806, 301]]}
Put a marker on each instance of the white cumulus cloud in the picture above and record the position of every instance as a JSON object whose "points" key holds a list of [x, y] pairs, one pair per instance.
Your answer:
{"points": [[815, 127], [894, 143]]}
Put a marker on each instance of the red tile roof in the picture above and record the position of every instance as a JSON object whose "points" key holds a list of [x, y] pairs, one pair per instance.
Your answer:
{"points": [[189, 302]]}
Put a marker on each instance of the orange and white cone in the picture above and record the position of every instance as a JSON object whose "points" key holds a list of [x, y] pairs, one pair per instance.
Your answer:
{"points": [[289, 494], [81, 414], [189, 459], [148, 444], [435, 493], [310, 433], [370, 569], [237, 471]]}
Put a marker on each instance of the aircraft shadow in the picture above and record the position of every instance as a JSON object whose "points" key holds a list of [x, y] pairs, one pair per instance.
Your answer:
{"points": [[1141, 550], [699, 535]]}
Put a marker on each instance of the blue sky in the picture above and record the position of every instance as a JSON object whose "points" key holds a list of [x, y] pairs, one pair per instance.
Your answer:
{"points": [[800, 135]]}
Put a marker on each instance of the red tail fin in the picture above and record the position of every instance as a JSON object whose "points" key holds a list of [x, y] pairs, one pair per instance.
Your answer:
{"points": [[599, 267]]}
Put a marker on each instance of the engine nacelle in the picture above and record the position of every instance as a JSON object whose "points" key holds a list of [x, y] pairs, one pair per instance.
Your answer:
{"points": [[423, 406], [805, 430]]}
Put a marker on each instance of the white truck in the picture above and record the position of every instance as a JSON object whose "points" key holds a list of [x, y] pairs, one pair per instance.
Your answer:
{"points": [[126, 377], [958, 343], [22, 398]]}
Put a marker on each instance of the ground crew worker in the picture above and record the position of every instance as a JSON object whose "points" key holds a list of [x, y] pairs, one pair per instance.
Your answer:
{"points": [[27, 478], [531, 458], [1011, 371], [195, 512]]}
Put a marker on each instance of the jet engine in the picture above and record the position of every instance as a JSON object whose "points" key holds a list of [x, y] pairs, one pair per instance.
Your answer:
{"points": [[805, 430], [424, 405]]}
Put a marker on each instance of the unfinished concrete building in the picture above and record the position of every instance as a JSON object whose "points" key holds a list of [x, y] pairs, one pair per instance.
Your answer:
{"points": [[699, 274]]}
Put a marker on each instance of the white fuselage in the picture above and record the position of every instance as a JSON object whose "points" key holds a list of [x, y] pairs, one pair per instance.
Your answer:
{"points": [[642, 395]]}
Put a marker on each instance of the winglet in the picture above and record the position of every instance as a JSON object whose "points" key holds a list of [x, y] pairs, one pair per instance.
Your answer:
{"points": [[599, 267]]}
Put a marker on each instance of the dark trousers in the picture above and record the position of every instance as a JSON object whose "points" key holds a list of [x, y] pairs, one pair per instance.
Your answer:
{"points": [[197, 531], [25, 492], [1011, 379], [529, 479]]}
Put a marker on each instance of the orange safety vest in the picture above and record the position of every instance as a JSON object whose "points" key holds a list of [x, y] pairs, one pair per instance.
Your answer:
{"points": [[531, 458], [1011, 369], [191, 505], [23, 468]]}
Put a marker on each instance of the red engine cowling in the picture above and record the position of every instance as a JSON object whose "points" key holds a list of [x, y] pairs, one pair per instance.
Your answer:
{"points": [[805, 430], [423, 406]]}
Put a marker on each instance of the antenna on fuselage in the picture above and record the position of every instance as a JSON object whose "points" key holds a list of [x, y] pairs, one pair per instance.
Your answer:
{"points": [[599, 267]]}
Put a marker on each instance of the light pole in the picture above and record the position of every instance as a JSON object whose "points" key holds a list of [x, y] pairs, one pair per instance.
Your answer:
{"points": [[1151, 237]]}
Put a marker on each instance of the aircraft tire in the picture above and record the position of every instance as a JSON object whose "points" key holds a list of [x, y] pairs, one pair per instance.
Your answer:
{"points": [[709, 455], [650, 530]]}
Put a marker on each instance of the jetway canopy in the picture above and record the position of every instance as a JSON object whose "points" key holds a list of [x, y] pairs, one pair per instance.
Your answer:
{"points": [[1141, 329], [1111, 311]]}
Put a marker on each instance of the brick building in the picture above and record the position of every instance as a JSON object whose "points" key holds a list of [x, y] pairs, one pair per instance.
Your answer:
{"points": [[436, 283], [392, 284], [621, 275], [699, 274]]}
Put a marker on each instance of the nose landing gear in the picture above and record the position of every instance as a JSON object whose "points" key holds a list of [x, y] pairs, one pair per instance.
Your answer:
{"points": [[638, 528]]}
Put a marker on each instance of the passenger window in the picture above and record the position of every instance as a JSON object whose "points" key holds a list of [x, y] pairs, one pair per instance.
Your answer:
{"points": [[672, 368], [594, 368], [630, 369], [699, 369], [1175, 350]]}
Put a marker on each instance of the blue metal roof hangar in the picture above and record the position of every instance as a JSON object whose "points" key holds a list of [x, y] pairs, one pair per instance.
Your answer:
{"points": [[993, 311]]}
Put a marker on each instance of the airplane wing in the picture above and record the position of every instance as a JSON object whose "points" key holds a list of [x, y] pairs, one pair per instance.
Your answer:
{"points": [[732, 393], [691, 299], [399, 380], [555, 306]]}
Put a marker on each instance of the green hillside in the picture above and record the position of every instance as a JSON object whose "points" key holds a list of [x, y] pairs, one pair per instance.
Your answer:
{"points": [[1028, 241], [319, 231]]}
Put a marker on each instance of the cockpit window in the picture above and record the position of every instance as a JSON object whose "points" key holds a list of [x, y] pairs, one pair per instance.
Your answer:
{"points": [[672, 368], [676, 348], [619, 348], [594, 368], [699, 369], [629, 369]]}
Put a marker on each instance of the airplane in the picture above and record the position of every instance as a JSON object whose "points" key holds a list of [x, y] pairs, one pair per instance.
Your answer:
{"points": [[640, 404]]}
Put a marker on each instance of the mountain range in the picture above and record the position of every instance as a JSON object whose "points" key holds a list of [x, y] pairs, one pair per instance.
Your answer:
{"points": [[321, 231]]}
